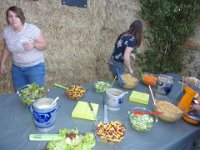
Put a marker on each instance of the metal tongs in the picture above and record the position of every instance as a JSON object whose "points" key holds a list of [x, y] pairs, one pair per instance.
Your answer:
{"points": [[105, 113]]}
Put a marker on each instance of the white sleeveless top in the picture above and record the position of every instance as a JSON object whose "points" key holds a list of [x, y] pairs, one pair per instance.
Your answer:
{"points": [[15, 41]]}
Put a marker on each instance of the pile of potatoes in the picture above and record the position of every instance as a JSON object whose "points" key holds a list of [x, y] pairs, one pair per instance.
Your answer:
{"points": [[75, 92]]}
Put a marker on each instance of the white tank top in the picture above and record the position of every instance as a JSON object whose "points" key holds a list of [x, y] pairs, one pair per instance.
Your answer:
{"points": [[15, 41]]}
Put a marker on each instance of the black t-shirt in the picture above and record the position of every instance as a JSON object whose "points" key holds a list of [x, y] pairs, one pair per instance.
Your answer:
{"points": [[126, 40]]}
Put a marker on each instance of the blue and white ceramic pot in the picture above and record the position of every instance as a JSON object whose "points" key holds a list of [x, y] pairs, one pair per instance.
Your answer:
{"points": [[44, 114], [114, 98], [164, 84]]}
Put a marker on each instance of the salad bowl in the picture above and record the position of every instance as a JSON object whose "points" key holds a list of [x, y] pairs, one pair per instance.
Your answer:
{"points": [[31, 93], [72, 139]]}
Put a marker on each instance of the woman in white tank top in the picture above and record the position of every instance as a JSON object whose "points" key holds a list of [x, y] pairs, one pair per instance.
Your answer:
{"points": [[25, 43]]}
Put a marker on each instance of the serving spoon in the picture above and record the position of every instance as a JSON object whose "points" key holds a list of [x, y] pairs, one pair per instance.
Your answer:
{"points": [[152, 96], [54, 101], [150, 113]]}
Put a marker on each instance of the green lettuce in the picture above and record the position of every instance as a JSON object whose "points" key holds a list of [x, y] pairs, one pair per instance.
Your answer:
{"points": [[80, 142]]}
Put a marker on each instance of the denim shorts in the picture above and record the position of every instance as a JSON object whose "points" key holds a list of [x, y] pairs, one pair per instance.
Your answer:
{"points": [[22, 76], [112, 64]]}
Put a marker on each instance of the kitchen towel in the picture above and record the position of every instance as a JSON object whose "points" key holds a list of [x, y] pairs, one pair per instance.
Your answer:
{"points": [[83, 110], [139, 97]]}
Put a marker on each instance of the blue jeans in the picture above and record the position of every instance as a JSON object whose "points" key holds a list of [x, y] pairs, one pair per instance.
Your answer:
{"points": [[22, 76], [112, 64]]}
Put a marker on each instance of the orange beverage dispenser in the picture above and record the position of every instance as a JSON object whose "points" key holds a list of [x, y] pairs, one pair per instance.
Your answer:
{"points": [[185, 101]]}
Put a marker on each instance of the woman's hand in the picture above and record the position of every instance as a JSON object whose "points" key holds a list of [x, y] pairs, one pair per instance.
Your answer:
{"points": [[3, 58], [195, 107], [131, 71], [132, 56], [39, 43], [3, 70], [29, 45]]}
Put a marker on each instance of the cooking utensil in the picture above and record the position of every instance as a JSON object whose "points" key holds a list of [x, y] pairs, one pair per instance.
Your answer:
{"points": [[61, 86], [119, 76], [44, 137], [152, 96], [150, 113], [105, 116], [55, 100], [91, 108], [113, 81]]}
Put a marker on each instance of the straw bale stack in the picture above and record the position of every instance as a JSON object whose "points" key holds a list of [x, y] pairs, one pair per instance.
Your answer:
{"points": [[118, 17], [80, 40]]}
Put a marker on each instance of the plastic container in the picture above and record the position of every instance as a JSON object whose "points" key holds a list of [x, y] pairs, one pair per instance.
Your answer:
{"points": [[44, 114]]}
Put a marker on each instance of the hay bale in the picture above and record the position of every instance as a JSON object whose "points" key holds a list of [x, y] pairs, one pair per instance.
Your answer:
{"points": [[80, 40]]}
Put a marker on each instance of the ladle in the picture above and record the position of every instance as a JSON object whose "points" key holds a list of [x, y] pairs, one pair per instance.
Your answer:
{"points": [[55, 100], [124, 93], [119, 76], [117, 94], [151, 93]]}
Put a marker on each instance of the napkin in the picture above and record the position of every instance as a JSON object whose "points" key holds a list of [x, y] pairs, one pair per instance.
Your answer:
{"points": [[139, 97], [82, 110]]}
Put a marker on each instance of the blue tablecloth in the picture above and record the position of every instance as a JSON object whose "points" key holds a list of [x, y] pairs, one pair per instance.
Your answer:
{"points": [[16, 123]]}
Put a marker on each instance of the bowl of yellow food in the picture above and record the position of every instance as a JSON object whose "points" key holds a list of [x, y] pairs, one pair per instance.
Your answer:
{"points": [[75, 92], [129, 81], [110, 133], [169, 111]]}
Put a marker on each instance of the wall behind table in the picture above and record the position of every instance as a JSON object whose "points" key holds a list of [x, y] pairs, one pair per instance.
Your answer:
{"points": [[80, 40], [72, 34]]}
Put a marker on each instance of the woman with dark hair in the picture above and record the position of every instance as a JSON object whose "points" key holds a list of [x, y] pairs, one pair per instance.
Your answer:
{"points": [[124, 49], [25, 43]]}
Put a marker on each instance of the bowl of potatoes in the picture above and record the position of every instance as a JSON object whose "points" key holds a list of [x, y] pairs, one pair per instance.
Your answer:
{"points": [[75, 92], [111, 132]]}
